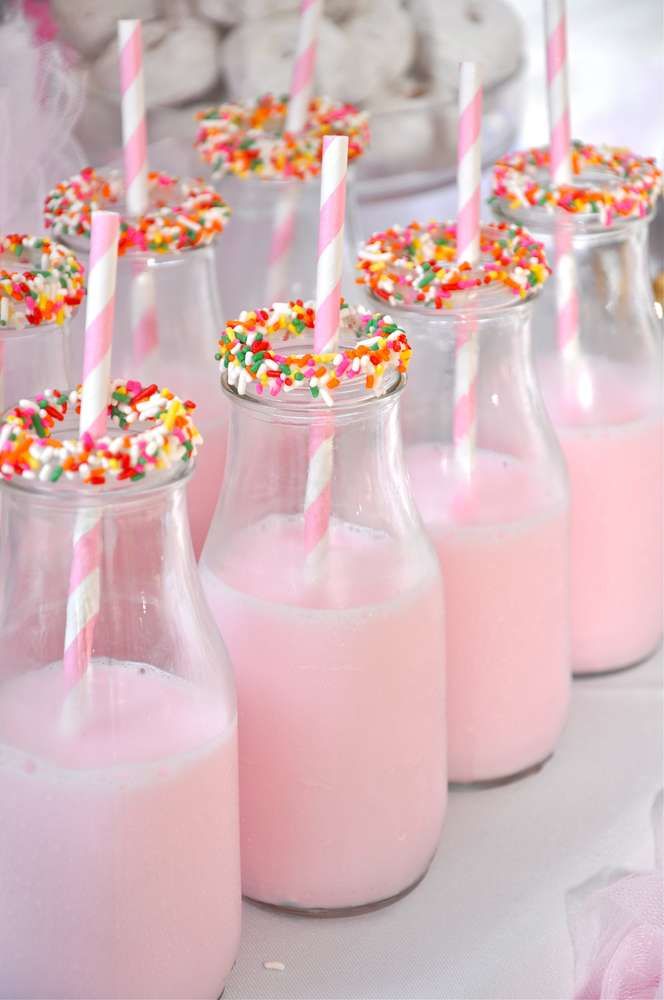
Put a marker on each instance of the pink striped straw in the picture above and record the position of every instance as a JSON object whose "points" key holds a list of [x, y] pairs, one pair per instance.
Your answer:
{"points": [[469, 169], [302, 80], [558, 92], [134, 134], [318, 497], [143, 312], [283, 234], [83, 598], [567, 299]]}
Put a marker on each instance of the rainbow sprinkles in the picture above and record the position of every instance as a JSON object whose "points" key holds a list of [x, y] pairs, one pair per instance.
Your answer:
{"points": [[417, 264], [618, 182], [47, 290], [30, 449], [182, 214], [249, 139], [248, 357]]}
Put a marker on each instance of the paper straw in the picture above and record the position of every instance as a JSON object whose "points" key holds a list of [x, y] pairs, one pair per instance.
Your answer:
{"points": [[558, 92], [143, 312], [318, 495], [83, 598], [304, 67], [302, 80], [283, 233], [469, 168], [567, 300], [145, 335], [134, 136]]}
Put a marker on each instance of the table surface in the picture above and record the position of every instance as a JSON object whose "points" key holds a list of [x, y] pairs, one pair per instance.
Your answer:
{"points": [[489, 921]]}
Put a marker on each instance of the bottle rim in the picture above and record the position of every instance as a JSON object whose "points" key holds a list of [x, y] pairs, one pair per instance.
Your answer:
{"points": [[542, 221], [483, 304], [351, 401]]}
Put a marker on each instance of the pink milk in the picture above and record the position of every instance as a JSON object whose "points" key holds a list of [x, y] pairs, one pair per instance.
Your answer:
{"points": [[502, 543], [341, 703], [614, 449], [118, 844]]}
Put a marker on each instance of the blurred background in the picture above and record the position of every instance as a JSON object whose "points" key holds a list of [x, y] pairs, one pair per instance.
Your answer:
{"points": [[59, 95]]}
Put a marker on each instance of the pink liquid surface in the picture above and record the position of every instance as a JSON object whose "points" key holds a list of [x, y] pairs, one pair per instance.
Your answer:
{"points": [[341, 704], [503, 552], [119, 855], [615, 452]]}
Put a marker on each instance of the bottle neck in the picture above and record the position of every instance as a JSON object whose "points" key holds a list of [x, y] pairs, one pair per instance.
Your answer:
{"points": [[143, 548], [608, 273], [33, 358], [472, 389], [270, 463]]}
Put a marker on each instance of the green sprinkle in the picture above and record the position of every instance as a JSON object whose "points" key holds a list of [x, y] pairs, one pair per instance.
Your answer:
{"points": [[38, 425]]}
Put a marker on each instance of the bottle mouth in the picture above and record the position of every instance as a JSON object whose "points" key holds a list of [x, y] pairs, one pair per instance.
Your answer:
{"points": [[182, 214], [251, 140], [350, 399], [41, 282], [608, 188], [421, 265], [542, 221], [149, 442], [271, 355], [484, 303]]}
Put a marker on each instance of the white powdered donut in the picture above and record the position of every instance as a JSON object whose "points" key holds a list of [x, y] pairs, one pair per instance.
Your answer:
{"points": [[356, 61], [403, 133], [257, 56], [380, 44], [87, 25], [223, 12], [179, 62], [487, 31], [344, 10]]}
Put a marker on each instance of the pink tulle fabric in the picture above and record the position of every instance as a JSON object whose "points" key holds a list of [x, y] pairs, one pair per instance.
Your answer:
{"points": [[617, 928]]}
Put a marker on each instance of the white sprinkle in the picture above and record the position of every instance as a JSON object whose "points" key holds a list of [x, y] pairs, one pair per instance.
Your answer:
{"points": [[274, 966]]}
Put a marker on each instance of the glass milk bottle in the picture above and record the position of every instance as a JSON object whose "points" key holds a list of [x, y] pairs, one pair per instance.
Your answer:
{"points": [[338, 650], [41, 286], [167, 314], [119, 845], [601, 378], [272, 182], [490, 485]]}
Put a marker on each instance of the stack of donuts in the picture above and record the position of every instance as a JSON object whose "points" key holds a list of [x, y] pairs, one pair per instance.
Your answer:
{"points": [[378, 54]]}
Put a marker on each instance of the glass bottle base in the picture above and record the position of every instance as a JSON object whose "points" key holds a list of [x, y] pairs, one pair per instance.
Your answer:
{"points": [[340, 911], [583, 675], [503, 780]]}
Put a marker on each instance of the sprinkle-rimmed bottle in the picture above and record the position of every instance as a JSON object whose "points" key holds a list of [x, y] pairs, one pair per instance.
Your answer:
{"points": [[338, 651], [41, 288], [489, 482], [167, 313], [119, 847], [598, 361], [271, 178]]}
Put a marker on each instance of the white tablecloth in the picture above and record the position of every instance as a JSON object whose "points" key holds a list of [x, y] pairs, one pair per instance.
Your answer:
{"points": [[489, 920]]}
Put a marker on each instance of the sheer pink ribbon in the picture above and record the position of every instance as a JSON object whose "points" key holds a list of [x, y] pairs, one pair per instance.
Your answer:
{"points": [[616, 921]]}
